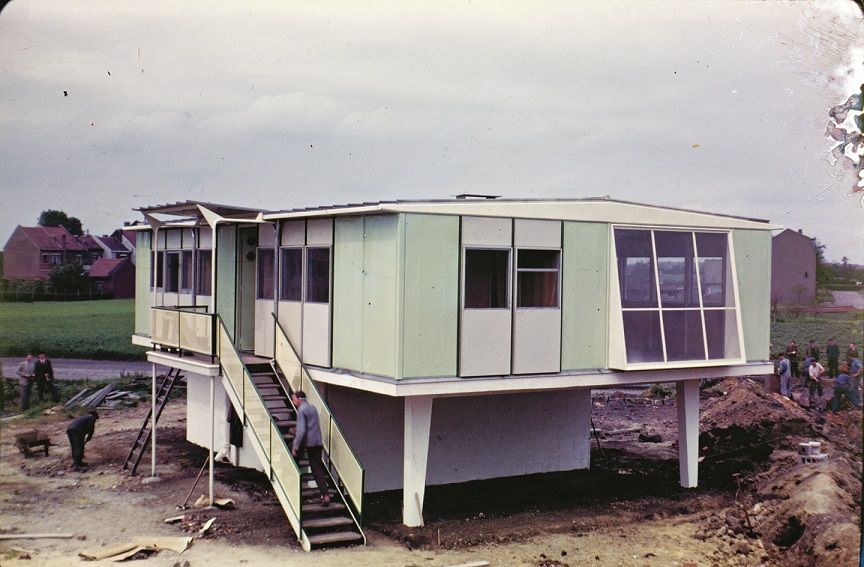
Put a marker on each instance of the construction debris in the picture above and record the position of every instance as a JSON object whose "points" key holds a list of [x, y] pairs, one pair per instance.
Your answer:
{"points": [[96, 398], [204, 501], [174, 519], [206, 527], [36, 536], [126, 550]]}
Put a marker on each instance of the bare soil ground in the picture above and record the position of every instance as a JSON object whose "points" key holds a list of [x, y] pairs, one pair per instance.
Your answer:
{"points": [[757, 503]]}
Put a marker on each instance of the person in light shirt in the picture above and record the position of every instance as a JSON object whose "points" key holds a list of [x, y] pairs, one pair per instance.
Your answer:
{"points": [[814, 381]]}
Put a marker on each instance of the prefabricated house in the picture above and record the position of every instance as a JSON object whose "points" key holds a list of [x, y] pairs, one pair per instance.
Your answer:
{"points": [[442, 341]]}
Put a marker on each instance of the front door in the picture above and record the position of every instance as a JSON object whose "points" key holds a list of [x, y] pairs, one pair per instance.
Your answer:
{"points": [[246, 250]]}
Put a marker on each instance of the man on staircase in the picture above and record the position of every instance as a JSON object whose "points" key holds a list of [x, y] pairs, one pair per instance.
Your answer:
{"points": [[308, 437]]}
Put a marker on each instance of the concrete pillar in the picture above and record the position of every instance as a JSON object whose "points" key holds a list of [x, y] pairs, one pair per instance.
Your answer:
{"points": [[688, 431], [153, 425], [418, 418], [583, 435]]}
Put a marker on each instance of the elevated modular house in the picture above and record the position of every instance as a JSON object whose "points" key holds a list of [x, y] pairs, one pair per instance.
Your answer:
{"points": [[442, 341]]}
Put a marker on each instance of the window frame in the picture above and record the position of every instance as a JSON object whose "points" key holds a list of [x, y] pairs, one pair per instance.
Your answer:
{"points": [[165, 271], [617, 349], [305, 270], [190, 253], [282, 265], [201, 275], [258, 265], [508, 292]]}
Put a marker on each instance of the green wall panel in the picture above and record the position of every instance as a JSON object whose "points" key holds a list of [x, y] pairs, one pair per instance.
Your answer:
{"points": [[584, 295], [430, 310], [753, 266], [380, 254], [226, 274], [348, 293], [142, 283]]}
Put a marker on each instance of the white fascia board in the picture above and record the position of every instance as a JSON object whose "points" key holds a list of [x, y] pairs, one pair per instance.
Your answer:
{"points": [[141, 340], [325, 212], [455, 386], [189, 365]]}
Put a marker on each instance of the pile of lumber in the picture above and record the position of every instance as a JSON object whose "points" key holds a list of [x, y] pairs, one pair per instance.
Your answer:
{"points": [[104, 397]]}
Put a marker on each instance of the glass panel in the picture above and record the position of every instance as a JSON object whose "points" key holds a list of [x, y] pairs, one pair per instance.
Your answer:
{"points": [[318, 275], [714, 269], [684, 340], [642, 336], [292, 272], [635, 268], [186, 275], [721, 327], [160, 269], [486, 281], [538, 259], [537, 289], [196, 332], [172, 271], [675, 268], [205, 264], [265, 257]]}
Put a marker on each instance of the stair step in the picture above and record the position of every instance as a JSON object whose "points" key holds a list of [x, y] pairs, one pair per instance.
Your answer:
{"points": [[317, 507], [318, 523], [334, 537], [308, 493]]}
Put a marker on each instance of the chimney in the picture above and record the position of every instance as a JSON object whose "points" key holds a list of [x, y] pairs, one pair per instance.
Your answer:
{"points": [[800, 231]]}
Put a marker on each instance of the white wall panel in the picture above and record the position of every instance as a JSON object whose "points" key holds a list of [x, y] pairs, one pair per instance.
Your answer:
{"points": [[264, 327], [538, 233], [187, 240], [536, 341], [294, 233], [291, 318], [485, 342], [205, 237], [316, 333], [319, 232], [173, 238], [486, 231], [266, 235]]}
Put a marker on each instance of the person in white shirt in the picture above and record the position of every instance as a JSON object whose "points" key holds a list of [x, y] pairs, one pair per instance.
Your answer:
{"points": [[814, 382]]}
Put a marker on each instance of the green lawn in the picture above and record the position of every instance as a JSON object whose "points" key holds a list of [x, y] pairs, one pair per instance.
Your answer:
{"points": [[72, 329], [844, 327]]}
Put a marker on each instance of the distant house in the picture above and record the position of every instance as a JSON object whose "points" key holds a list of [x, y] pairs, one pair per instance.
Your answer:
{"points": [[33, 251], [113, 248], [793, 268], [114, 276], [127, 239]]}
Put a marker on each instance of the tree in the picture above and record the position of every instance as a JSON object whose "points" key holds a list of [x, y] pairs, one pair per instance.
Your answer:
{"points": [[824, 270], [53, 217], [69, 278]]}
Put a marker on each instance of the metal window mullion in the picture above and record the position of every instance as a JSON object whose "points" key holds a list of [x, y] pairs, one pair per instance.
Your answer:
{"points": [[699, 291], [659, 299]]}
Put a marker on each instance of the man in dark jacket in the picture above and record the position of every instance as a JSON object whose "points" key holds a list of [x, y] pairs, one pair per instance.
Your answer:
{"points": [[308, 437], [44, 373], [833, 353], [80, 431]]}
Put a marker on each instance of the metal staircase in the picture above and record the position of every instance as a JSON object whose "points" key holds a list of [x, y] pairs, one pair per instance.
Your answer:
{"points": [[142, 441]]}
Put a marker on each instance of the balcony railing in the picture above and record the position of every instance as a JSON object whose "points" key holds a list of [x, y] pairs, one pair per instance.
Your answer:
{"points": [[184, 328]]}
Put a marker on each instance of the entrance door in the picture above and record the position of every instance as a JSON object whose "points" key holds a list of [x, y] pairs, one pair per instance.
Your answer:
{"points": [[246, 251]]}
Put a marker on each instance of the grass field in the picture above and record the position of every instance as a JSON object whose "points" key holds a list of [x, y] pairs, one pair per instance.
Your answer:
{"points": [[71, 329], [844, 327]]}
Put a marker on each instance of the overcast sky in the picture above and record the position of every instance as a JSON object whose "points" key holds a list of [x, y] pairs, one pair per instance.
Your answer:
{"points": [[106, 106]]}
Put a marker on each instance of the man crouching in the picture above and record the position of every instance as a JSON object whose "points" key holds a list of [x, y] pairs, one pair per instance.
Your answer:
{"points": [[80, 431]]}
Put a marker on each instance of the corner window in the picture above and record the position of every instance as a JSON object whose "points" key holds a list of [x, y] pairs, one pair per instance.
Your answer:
{"points": [[265, 273], [677, 302], [205, 265], [317, 275], [537, 277], [487, 284], [172, 271], [292, 274]]}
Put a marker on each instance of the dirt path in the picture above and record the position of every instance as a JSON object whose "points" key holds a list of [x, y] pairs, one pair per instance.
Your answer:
{"points": [[83, 369]]}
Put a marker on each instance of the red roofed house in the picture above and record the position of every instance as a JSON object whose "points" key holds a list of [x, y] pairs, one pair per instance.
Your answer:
{"points": [[114, 276], [33, 251]]}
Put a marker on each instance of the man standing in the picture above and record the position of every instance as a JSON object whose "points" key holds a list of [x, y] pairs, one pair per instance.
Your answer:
{"points": [[855, 371], [792, 355], [80, 431], [308, 437], [851, 352], [812, 350], [25, 381], [832, 351], [44, 373], [814, 382], [785, 373]]}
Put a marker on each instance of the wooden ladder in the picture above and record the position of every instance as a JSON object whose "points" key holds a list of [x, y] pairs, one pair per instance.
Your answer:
{"points": [[144, 435]]}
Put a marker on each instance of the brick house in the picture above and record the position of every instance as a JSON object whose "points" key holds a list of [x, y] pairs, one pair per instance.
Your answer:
{"points": [[793, 268], [33, 251], [114, 277]]}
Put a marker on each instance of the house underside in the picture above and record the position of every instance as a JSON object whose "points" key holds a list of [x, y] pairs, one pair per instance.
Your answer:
{"points": [[442, 342]]}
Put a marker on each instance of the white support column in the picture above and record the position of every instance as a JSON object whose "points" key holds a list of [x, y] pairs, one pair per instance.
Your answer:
{"points": [[212, 434], [688, 431], [153, 426], [418, 418]]}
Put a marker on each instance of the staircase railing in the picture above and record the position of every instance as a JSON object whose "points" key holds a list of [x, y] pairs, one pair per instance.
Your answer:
{"points": [[275, 454], [342, 456]]}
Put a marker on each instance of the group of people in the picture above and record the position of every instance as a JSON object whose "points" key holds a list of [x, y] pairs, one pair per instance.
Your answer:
{"points": [[39, 372], [846, 372]]}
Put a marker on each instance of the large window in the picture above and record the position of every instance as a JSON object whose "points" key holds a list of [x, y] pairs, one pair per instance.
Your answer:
{"points": [[265, 273], [317, 275], [537, 278], [292, 274], [186, 271], [160, 269], [486, 279], [172, 272], [677, 301], [205, 265]]}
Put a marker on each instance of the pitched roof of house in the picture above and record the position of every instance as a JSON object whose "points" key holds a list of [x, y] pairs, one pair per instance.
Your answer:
{"points": [[89, 242], [52, 238], [112, 243], [105, 267]]}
